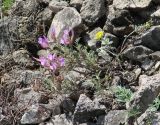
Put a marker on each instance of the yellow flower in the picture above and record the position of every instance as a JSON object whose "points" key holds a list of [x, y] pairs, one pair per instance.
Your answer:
{"points": [[99, 35]]}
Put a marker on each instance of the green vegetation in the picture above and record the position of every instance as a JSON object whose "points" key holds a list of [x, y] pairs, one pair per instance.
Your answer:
{"points": [[6, 4], [156, 104], [122, 94]]}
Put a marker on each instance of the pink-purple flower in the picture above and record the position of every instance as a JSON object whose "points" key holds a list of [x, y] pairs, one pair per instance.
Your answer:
{"points": [[67, 37], [43, 41], [52, 62], [53, 33]]}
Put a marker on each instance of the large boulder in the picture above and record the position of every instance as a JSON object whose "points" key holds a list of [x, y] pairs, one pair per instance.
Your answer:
{"points": [[66, 18]]}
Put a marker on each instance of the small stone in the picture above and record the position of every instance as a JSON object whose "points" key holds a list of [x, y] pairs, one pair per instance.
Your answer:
{"points": [[157, 65], [138, 72]]}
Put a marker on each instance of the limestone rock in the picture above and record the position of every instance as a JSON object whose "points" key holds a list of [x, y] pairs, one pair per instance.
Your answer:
{"points": [[66, 18]]}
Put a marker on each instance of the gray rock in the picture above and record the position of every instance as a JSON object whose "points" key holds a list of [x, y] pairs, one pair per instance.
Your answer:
{"points": [[25, 8], [151, 38], [8, 28], [103, 53], [147, 64], [137, 72], [116, 81], [137, 53], [47, 16], [76, 3], [35, 114], [87, 109], [119, 17], [60, 120], [92, 11], [122, 30], [119, 30], [155, 56], [66, 18], [56, 5], [26, 97], [115, 117], [156, 14], [23, 58], [147, 92], [68, 105], [148, 117], [157, 66], [131, 4]]}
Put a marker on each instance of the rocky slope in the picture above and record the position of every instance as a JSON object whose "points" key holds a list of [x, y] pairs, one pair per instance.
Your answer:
{"points": [[109, 81]]}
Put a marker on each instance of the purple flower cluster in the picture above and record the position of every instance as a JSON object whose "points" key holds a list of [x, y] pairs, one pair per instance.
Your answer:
{"points": [[52, 62], [67, 38]]}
